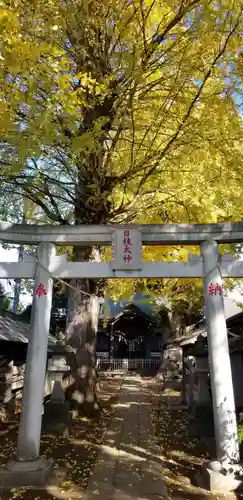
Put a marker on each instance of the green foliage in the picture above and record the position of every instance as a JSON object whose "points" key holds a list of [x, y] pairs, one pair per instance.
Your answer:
{"points": [[240, 431]]}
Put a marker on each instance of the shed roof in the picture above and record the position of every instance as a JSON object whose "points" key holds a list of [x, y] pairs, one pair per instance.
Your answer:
{"points": [[233, 313], [14, 330]]}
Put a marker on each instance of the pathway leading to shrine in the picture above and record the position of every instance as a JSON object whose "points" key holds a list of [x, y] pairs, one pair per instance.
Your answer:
{"points": [[126, 468]]}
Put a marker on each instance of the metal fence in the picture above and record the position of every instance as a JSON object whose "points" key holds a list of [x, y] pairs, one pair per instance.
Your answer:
{"points": [[127, 364]]}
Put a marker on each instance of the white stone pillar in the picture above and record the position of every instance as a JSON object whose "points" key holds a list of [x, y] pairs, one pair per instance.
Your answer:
{"points": [[219, 359], [28, 445]]}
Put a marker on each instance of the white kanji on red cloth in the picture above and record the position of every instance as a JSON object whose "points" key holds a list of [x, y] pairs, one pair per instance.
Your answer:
{"points": [[215, 289], [40, 290], [127, 249]]}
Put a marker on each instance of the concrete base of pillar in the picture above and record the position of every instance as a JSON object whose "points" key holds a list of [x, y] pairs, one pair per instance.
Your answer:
{"points": [[215, 479], [17, 474]]}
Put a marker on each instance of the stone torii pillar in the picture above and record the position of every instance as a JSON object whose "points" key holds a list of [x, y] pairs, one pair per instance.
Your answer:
{"points": [[29, 468], [219, 362]]}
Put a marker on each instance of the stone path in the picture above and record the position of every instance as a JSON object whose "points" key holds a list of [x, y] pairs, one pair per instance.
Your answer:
{"points": [[126, 468]]}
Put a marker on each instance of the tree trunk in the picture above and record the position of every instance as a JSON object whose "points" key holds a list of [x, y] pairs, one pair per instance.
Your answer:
{"points": [[83, 308], [165, 333], [81, 335], [7, 410]]}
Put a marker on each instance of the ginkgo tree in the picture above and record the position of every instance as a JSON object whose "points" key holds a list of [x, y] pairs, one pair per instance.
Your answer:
{"points": [[183, 298], [120, 111]]}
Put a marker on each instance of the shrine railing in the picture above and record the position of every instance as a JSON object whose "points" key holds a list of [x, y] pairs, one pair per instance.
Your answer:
{"points": [[127, 364]]}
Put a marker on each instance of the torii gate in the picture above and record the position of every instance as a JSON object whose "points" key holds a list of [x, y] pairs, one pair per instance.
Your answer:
{"points": [[126, 241]]}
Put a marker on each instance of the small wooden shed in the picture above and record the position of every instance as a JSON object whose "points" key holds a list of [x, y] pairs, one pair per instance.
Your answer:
{"points": [[14, 336]]}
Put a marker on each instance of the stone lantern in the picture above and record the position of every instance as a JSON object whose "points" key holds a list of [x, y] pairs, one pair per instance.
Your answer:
{"points": [[57, 409]]}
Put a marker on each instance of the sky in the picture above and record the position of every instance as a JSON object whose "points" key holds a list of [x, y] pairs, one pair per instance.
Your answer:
{"points": [[11, 255]]}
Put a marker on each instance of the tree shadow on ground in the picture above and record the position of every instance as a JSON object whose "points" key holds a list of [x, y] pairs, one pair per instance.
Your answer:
{"points": [[74, 455], [182, 454], [148, 458]]}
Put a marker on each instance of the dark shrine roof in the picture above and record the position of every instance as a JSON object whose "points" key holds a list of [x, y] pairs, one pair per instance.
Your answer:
{"points": [[133, 311]]}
